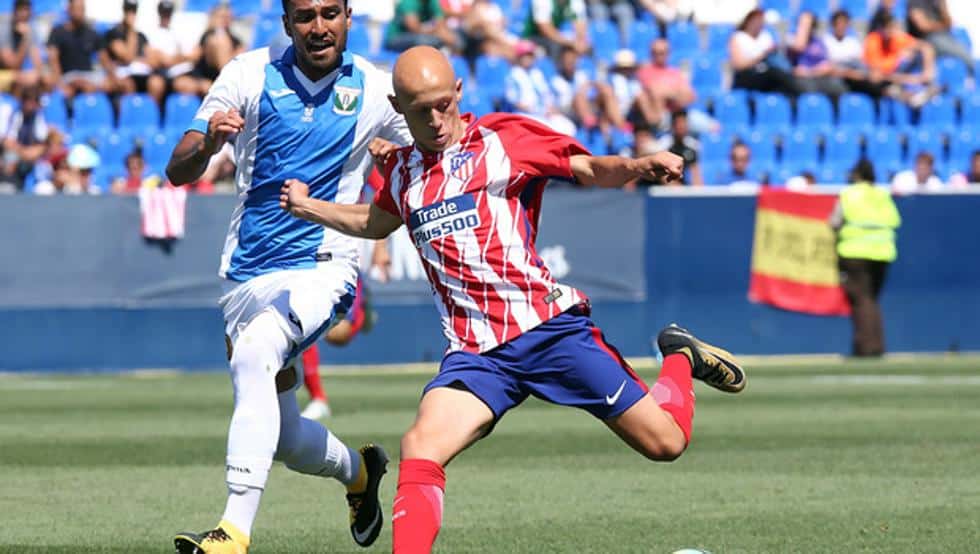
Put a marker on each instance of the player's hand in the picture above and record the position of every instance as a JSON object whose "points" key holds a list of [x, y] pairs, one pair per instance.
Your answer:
{"points": [[381, 262], [381, 150], [221, 126], [293, 195], [663, 167]]}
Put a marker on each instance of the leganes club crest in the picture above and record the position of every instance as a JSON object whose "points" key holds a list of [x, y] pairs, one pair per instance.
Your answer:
{"points": [[345, 100]]}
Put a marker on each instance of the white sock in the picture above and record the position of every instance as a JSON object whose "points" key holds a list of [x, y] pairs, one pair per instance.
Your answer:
{"points": [[254, 431], [306, 446], [243, 504]]}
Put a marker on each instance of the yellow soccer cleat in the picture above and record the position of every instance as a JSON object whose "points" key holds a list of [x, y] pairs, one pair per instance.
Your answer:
{"points": [[225, 539]]}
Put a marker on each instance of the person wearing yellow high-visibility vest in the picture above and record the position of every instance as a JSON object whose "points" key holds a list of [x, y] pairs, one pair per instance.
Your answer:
{"points": [[865, 220]]}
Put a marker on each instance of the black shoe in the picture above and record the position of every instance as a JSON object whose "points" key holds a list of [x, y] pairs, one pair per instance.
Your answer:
{"points": [[366, 515], [710, 364]]}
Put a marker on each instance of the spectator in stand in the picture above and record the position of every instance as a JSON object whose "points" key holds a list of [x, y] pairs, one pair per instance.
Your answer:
{"points": [[667, 11], [737, 174], [26, 141], [929, 20], [622, 11], [420, 23], [671, 87], [129, 66], [921, 177], [884, 12], [587, 103], [135, 176], [168, 56], [755, 59], [680, 142], [20, 48], [972, 175], [527, 91], [811, 62], [71, 48], [73, 177], [485, 29], [846, 53], [547, 17], [907, 63], [644, 111], [218, 46]]}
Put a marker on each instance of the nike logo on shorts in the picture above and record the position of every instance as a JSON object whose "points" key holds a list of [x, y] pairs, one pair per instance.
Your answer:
{"points": [[612, 399]]}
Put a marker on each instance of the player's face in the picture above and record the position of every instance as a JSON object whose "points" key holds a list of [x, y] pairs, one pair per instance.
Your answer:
{"points": [[433, 117], [318, 29]]}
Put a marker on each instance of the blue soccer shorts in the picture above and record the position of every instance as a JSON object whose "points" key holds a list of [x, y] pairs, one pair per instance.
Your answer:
{"points": [[565, 360]]}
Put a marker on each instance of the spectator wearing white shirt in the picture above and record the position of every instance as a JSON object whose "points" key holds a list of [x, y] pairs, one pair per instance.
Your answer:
{"points": [[846, 54], [588, 103], [921, 178], [547, 17], [25, 142], [755, 58], [643, 109], [169, 56], [527, 91]]}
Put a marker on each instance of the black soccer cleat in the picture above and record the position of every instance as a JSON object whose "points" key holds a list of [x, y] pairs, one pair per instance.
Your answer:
{"points": [[714, 366], [366, 515]]}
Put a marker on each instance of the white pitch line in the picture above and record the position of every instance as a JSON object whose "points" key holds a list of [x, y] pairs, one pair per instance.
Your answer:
{"points": [[885, 379]]}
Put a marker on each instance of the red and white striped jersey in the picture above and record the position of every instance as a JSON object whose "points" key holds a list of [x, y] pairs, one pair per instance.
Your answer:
{"points": [[472, 212]]}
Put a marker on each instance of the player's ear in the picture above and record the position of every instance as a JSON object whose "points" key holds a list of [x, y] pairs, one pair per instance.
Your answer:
{"points": [[285, 25], [395, 104], [459, 90]]}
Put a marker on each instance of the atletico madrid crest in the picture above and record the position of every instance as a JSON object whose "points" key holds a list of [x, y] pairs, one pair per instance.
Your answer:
{"points": [[461, 166]]}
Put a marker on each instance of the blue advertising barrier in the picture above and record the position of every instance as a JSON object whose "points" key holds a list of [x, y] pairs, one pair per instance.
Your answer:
{"points": [[80, 289]]}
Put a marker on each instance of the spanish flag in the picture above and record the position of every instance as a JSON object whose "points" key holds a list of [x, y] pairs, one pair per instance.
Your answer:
{"points": [[794, 254]]}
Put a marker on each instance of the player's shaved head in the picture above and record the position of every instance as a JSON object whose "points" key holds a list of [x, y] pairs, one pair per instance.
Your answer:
{"points": [[427, 93]]}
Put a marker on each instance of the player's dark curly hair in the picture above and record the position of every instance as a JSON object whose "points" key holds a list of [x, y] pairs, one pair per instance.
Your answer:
{"points": [[285, 5]]}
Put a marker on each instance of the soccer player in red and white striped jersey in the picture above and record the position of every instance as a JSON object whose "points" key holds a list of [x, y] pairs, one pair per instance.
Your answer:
{"points": [[470, 192]]}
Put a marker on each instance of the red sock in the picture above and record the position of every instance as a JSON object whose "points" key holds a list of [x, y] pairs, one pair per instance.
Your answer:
{"points": [[674, 391], [311, 373], [417, 509]]}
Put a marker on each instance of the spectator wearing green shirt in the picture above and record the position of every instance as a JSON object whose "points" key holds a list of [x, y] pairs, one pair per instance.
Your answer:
{"points": [[419, 23], [546, 19]]}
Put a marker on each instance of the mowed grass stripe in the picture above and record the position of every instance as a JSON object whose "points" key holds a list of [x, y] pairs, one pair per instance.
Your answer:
{"points": [[119, 463]]}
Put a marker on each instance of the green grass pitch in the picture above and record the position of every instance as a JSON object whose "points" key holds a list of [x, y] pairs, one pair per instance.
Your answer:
{"points": [[832, 457]]}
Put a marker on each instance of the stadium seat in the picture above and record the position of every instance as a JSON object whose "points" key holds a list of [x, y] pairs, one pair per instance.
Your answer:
{"points": [[832, 174], [706, 77], [250, 7], [605, 39], [970, 111], [359, 40], [476, 103], [894, 113], [925, 140], [820, 8], [139, 113], [179, 111], [939, 114], [269, 32], [684, 38], [763, 146], [801, 147], [47, 7], [855, 111], [715, 148], [842, 147], [781, 7], [460, 67], [93, 115], [157, 150], [732, 110], [113, 149], [962, 144], [884, 147], [641, 35], [814, 111], [718, 35], [772, 112], [55, 110], [952, 75], [198, 5], [491, 73], [963, 36]]}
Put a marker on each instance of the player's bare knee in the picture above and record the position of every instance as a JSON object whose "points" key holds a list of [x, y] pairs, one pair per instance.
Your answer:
{"points": [[658, 448]]}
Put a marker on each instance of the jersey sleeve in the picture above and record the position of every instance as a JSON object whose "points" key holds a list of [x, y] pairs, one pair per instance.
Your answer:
{"points": [[226, 93], [382, 197], [536, 151]]}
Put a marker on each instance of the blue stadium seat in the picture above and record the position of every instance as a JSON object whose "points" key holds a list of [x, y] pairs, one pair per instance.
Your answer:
{"points": [[706, 77], [715, 148], [476, 103], [359, 40], [763, 146], [732, 110], [832, 174], [856, 111], [925, 140], [547, 66], [952, 75], [179, 111], [939, 114], [156, 151], [718, 35], [814, 111], [199, 5], [963, 36], [962, 144], [48, 7], [139, 113], [773, 112], [894, 113], [491, 73], [269, 32], [970, 111], [250, 7], [842, 147], [460, 67], [884, 147], [781, 7], [821, 8], [113, 149], [641, 35], [93, 115], [55, 110], [684, 38], [801, 148], [605, 39]]}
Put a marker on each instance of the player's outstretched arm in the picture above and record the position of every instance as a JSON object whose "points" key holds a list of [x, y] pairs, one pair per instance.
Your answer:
{"points": [[191, 155], [359, 220], [615, 171]]}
